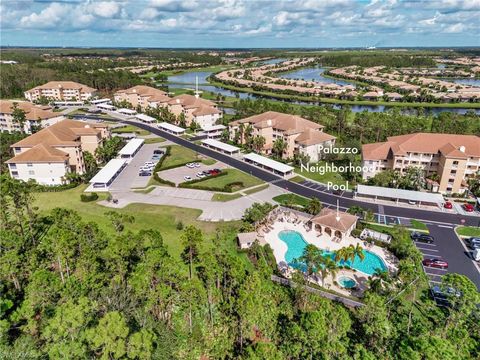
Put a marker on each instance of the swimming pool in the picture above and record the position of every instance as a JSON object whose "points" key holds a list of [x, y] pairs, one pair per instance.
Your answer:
{"points": [[296, 243], [346, 282]]}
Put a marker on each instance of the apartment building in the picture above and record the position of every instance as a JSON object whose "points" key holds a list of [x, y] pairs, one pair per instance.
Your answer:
{"points": [[204, 112], [301, 136], [48, 155], [454, 158], [61, 91], [142, 96], [36, 116]]}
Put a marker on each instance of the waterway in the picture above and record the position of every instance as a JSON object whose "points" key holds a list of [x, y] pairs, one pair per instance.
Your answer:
{"points": [[187, 81]]}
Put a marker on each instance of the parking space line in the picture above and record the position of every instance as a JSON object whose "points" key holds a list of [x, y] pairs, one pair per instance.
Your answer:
{"points": [[424, 244], [427, 249]]}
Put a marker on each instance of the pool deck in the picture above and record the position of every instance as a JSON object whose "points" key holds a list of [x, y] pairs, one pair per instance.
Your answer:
{"points": [[323, 242]]}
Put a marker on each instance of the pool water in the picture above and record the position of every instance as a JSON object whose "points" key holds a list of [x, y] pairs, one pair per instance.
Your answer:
{"points": [[346, 282], [296, 243]]}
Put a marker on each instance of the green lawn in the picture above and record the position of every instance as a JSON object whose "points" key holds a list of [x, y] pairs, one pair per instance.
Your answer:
{"points": [[179, 155], [333, 177], [233, 175], [257, 189], [418, 225], [162, 218], [154, 140], [225, 197], [129, 129], [292, 199], [208, 161], [296, 179], [468, 231]]}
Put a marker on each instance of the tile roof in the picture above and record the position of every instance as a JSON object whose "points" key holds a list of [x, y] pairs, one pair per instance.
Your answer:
{"points": [[32, 112], [152, 93], [40, 153], [190, 101], [312, 137], [450, 145], [63, 133], [64, 85], [328, 218]]}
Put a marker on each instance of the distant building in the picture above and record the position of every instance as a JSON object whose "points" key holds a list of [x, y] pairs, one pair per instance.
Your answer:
{"points": [[301, 136], [204, 112], [61, 91], [48, 155], [142, 96], [36, 116], [454, 158]]}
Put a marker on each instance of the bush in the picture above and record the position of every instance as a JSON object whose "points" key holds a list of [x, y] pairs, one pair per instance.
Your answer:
{"points": [[55, 188], [168, 151], [88, 197], [163, 181], [180, 225]]}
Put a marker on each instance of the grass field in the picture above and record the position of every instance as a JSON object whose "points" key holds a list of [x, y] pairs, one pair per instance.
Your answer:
{"points": [[130, 129], [415, 224], [292, 199], [257, 189], [225, 197], [468, 231], [161, 218], [233, 175], [333, 177], [154, 140], [179, 155]]}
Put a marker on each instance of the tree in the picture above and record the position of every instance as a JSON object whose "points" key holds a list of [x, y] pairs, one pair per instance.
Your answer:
{"points": [[109, 149], [314, 206], [109, 337], [258, 143], [118, 220], [192, 237], [91, 166], [19, 117], [182, 121], [278, 147], [311, 258]]}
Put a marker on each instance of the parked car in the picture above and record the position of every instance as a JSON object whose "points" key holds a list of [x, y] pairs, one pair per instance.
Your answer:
{"points": [[200, 175], [156, 157], [148, 163], [144, 173], [442, 295], [468, 207], [420, 237], [213, 172], [411, 202], [187, 178], [145, 168], [435, 263], [448, 205], [157, 152], [190, 165], [196, 164], [474, 242]]}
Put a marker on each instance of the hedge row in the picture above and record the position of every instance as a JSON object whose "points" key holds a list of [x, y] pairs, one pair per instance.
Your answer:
{"points": [[162, 159], [228, 188], [56, 188], [163, 181], [88, 197]]}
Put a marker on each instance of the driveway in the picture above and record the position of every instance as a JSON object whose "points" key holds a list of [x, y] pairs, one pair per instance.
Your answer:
{"points": [[129, 177]]}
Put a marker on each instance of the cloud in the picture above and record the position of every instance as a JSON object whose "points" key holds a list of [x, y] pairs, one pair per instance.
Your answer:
{"points": [[49, 17], [106, 9], [455, 28]]}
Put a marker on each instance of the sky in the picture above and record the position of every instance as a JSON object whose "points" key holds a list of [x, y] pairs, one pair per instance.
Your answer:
{"points": [[240, 23]]}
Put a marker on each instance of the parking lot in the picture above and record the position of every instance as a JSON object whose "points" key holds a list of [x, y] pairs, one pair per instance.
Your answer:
{"points": [[177, 175], [129, 177]]}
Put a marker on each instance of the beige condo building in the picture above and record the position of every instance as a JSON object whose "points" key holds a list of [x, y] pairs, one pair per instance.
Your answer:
{"points": [[301, 136], [142, 96], [453, 157], [61, 91], [48, 155]]}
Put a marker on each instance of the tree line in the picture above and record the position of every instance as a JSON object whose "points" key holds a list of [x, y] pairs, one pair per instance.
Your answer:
{"points": [[71, 290]]}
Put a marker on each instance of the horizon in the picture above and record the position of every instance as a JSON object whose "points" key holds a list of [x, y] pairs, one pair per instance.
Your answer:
{"points": [[219, 24]]}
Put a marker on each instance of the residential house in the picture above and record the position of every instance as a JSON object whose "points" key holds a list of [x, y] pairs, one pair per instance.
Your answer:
{"points": [[50, 154], [36, 116], [204, 112], [453, 157]]}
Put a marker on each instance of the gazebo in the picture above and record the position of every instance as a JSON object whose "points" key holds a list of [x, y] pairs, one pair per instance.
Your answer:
{"points": [[334, 223]]}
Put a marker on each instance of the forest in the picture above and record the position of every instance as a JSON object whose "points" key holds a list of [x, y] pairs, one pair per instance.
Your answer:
{"points": [[70, 290]]}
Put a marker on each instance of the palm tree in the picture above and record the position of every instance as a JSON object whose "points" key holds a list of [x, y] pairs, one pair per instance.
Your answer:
{"points": [[358, 251], [258, 143], [279, 146], [311, 257], [327, 266], [314, 206]]}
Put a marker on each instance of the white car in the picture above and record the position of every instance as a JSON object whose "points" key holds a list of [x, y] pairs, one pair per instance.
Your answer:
{"points": [[187, 178], [196, 164], [190, 165], [200, 175], [149, 163]]}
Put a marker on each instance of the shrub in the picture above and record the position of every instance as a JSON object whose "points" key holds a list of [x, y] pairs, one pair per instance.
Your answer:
{"points": [[180, 225], [163, 181], [88, 197], [55, 188]]}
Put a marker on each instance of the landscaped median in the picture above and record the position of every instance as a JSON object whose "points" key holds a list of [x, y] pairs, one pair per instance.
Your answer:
{"points": [[229, 180], [468, 231]]}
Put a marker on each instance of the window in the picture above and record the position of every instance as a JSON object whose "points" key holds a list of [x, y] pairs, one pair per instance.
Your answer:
{"points": [[31, 172], [17, 149], [455, 162], [14, 173], [29, 164], [13, 166]]}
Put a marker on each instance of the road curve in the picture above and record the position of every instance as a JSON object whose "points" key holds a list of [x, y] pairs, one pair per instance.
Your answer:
{"points": [[387, 210]]}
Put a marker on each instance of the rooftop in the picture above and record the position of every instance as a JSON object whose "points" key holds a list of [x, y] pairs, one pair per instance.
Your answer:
{"points": [[64, 85], [131, 147], [32, 112], [108, 171], [220, 145], [399, 194], [336, 220], [272, 164]]}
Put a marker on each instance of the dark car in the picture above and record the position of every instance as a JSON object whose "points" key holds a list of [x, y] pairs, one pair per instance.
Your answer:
{"points": [[158, 152], [435, 263], [144, 173], [425, 238], [442, 295]]}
